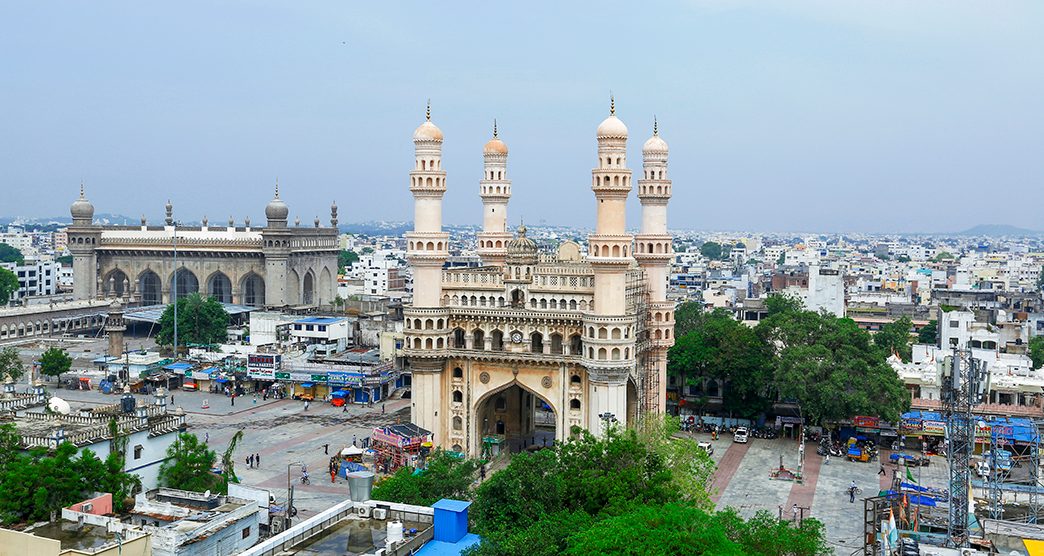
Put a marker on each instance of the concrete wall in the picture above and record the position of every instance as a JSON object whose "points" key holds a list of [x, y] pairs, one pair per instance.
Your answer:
{"points": [[100, 505]]}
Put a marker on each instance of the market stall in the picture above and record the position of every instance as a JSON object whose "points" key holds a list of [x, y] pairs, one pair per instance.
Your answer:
{"points": [[399, 445]]}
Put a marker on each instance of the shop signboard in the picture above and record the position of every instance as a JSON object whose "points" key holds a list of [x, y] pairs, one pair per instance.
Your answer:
{"points": [[935, 428], [345, 378], [263, 374], [282, 376], [264, 365], [865, 421]]}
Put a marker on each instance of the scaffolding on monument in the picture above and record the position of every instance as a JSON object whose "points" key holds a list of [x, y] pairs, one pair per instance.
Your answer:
{"points": [[647, 376]]}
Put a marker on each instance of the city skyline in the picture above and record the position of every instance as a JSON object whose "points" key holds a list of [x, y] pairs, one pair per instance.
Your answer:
{"points": [[855, 119]]}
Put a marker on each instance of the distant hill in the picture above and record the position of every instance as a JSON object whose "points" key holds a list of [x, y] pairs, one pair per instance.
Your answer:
{"points": [[999, 230]]}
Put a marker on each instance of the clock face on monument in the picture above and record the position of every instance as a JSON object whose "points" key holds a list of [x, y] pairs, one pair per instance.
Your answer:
{"points": [[516, 337]]}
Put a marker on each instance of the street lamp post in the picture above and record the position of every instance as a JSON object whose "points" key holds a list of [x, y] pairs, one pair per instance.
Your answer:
{"points": [[289, 494], [174, 290]]}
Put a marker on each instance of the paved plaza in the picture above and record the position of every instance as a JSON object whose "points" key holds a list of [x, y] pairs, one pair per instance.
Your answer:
{"points": [[743, 482]]}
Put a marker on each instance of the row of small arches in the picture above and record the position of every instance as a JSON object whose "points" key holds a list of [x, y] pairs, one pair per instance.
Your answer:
{"points": [[654, 174], [606, 251], [654, 247], [419, 181], [654, 190], [277, 243], [84, 240], [429, 246], [430, 164], [35, 328], [607, 161], [609, 333], [617, 180], [604, 354], [490, 244], [495, 175]]}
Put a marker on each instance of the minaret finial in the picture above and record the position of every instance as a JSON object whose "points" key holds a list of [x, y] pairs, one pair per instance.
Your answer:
{"points": [[494, 128], [277, 187], [427, 113], [612, 104], [656, 129], [81, 189]]}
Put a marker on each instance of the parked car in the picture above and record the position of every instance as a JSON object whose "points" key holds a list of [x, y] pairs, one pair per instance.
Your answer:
{"points": [[740, 435], [707, 447]]}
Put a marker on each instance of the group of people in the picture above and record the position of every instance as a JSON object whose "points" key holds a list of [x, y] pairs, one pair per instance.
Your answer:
{"points": [[253, 461]]}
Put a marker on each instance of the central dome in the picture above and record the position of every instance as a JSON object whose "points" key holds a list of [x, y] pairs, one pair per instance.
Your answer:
{"points": [[521, 250], [612, 127]]}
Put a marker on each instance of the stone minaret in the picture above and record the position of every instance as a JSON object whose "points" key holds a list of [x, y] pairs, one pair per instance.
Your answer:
{"points": [[115, 327], [275, 239], [83, 241], [653, 252], [495, 190], [609, 351], [427, 248]]}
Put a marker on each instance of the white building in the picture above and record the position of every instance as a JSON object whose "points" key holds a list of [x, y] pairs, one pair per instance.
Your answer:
{"points": [[35, 278], [333, 333]]}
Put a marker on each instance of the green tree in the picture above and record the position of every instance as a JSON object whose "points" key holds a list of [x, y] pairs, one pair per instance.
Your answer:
{"points": [[10, 254], [367, 250], [690, 466], [8, 285], [712, 250], [895, 337], [687, 317], [927, 334], [1040, 280], [777, 303], [346, 257], [444, 476], [200, 321], [831, 367], [903, 259], [10, 364], [781, 259], [55, 362], [188, 466], [942, 256], [65, 260], [1036, 351]]}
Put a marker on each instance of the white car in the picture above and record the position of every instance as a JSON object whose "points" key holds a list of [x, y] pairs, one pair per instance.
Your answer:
{"points": [[982, 469], [707, 447], [740, 435]]}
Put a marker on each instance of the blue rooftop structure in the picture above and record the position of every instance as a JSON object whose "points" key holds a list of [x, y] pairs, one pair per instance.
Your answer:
{"points": [[178, 366], [451, 529], [319, 320]]}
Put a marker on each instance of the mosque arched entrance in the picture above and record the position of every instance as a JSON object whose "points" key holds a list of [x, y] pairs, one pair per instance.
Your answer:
{"points": [[514, 418]]}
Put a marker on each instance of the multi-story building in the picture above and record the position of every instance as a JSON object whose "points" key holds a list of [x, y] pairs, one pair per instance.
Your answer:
{"points": [[577, 340], [36, 277]]}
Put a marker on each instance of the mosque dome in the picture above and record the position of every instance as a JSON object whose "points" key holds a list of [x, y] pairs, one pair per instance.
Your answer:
{"points": [[495, 146], [277, 209], [428, 132], [521, 250], [612, 127], [82, 209], [655, 145]]}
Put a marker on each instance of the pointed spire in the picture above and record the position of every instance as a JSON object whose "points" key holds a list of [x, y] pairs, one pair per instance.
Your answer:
{"points": [[494, 128], [656, 129], [82, 196], [427, 113], [612, 104], [277, 187]]}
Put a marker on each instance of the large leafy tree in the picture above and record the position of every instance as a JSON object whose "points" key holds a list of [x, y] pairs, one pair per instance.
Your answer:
{"points": [[9, 254], [38, 483], [444, 476], [894, 337], [1036, 351], [188, 466], [346, 257], [200, 321], [831, 367], [689, 465], [10, 364], [711, 249], [55, 362], [8, 285], [722, 348]]}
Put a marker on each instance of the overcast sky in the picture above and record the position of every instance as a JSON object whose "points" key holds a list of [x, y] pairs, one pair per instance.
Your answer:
{"points": [[789, 115]]}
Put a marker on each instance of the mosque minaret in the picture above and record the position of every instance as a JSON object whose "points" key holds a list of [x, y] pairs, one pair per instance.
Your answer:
{"points": [[495, 190]]}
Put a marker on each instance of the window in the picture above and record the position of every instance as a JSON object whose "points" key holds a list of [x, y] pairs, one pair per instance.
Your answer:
{"points": [[137, 451], [458, 372], [246, 532], [458, 396], [574, 404]]}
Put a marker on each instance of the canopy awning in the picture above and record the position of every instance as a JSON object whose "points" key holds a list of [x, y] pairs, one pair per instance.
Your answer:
{"points": [[307, 384]]}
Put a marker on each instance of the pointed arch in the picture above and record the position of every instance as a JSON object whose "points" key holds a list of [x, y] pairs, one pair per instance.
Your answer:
{"points": [[252, 290], [219, 286]]}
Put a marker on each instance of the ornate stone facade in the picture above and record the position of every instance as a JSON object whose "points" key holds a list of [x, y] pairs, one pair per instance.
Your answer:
{"points": [[272, 266], [587, 336]]}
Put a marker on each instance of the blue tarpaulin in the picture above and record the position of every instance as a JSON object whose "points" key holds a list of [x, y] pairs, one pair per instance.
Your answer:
{"points": [[339, 393], [221, 380], [307, 384]]}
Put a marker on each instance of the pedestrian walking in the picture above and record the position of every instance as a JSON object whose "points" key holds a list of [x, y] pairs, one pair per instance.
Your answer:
{"points": [[344, 408], [250, 460], [233, 398], [255, 399], [257, 460], [382, 408], [852, 492], [353, 440], [795, 511], [326, 449], [172, 399], [206, 438], [881, 471]]}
